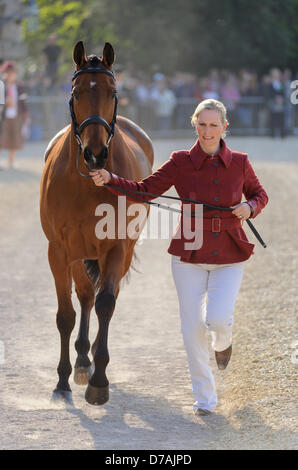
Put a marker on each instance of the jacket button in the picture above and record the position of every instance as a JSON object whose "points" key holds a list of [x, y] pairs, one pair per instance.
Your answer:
{"points": [[216, 198], [216, 180], [215, 234], [215, 163], [214, 252]]}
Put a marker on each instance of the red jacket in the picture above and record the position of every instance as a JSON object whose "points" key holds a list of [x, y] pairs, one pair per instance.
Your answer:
{"points": [[220, 181]]}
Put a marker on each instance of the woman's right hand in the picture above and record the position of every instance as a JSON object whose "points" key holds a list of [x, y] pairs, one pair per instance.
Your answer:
{"points": [[100, 177]]}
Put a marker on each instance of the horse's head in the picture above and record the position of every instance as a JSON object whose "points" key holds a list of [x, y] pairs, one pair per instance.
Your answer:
{"points": [[94, 104]]}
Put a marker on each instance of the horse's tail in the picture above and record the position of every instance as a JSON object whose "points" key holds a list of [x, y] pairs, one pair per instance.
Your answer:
{"points": [[135, 260], [93, 271]]}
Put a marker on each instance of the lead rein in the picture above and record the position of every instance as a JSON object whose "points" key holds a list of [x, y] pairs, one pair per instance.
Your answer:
{"points": [[210, 206]]}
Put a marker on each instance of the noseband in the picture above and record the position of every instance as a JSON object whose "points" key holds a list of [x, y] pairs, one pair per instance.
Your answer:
{"points": [[78, 128]]}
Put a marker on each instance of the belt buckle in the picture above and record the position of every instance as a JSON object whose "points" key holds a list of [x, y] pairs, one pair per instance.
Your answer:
{"points": [[215, 224]]}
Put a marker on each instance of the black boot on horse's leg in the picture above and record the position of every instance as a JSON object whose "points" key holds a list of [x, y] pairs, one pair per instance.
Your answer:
{"points": [[97, 392]]}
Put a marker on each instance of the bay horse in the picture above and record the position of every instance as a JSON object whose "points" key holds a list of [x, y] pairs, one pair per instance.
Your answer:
{"points": [[68, 203]]}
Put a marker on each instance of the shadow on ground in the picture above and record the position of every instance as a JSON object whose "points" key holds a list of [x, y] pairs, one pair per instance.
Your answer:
{"points": [[134, 421]]}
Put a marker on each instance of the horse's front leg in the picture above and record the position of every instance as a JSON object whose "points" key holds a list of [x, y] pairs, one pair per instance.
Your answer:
{"points": [[65, 315], [97, 392], [85, 292]]}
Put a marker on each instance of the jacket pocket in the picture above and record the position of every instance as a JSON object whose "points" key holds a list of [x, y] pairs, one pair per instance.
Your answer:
{"points": [[239, 238]]}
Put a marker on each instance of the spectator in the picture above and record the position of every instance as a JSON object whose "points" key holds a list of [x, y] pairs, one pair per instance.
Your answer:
{"points": [[15, 114], [277, 104], [145, 114], [142, 92], [125, 93], [214, 81], [51, 54], [34, 89], [198, 93], [165, 102], [263, 92], [184, 89], [207, 90], [230, 95], [247, 88], [289, 107]]}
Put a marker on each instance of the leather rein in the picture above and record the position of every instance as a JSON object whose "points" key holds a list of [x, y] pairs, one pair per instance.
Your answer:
{"points": [[192, 201]]}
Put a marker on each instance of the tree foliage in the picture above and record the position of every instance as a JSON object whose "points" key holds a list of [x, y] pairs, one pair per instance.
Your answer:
{"points": [[169, 35]]}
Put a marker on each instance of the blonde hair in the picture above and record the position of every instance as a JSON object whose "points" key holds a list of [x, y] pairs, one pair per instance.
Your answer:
{"points": [[213, 105]]}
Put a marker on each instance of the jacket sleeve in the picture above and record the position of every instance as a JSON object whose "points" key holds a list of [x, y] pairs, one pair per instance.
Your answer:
{"points": [[157, 183], [253, 191]]}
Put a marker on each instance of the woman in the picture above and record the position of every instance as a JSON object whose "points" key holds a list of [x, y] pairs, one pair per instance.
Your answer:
{"points": [[15, 114], [212, 173]]}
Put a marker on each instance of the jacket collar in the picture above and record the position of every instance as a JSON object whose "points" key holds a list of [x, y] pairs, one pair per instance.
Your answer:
{"points": [[198, 156]]}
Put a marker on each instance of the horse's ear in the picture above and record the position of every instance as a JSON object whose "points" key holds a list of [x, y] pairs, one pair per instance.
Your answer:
{"points": [[108, 55], [79, 55]]}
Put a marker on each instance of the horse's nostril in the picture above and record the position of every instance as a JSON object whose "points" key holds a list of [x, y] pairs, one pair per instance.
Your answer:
{"points": [[87, 154], [104, 153]]}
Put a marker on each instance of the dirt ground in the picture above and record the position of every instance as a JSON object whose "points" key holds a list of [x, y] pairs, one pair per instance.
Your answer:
{"points": [[150, 403]]}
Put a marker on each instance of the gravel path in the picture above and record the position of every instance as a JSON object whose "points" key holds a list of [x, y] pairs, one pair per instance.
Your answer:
{"points": [[150, 403]]}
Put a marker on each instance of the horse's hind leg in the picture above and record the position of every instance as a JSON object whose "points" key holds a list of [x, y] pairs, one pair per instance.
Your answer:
{"points": [[65, 314], [85, 292]]}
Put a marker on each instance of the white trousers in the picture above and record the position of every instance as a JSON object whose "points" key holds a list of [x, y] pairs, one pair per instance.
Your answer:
{"points": [[207, 294]]}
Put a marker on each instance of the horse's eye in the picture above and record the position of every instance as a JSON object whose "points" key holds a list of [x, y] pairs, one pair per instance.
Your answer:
{"points": [[114, 93], [75, 94]]}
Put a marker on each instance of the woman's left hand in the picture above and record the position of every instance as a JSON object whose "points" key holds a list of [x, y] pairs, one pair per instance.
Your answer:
{"points": [[242, 210]]}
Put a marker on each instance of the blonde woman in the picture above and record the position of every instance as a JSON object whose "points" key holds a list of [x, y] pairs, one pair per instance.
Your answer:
{"points": [[207, 279]]}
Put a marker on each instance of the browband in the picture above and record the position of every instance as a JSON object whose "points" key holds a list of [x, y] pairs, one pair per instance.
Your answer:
{"points": [[93, 69]]}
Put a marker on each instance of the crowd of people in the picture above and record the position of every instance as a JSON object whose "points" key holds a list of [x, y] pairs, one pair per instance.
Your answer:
{"points": [[255, 104], [159, 102], [252, 101]]}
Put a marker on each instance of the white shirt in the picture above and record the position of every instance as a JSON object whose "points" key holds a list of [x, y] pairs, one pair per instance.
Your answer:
{"points": [[11, 112]]}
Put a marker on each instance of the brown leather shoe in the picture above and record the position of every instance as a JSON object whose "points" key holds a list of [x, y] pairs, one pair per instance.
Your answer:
{"points": [[223, 357]]}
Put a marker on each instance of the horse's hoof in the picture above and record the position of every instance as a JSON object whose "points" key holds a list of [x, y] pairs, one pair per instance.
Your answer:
{"points": [[83, 374], [62, 395], [97, 395]]}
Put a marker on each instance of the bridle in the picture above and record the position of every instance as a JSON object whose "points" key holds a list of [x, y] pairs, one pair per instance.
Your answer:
{"points": [[78, 128]]}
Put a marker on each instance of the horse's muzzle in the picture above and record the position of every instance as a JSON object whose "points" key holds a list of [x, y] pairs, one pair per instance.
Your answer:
{"points": [[95, 162]]}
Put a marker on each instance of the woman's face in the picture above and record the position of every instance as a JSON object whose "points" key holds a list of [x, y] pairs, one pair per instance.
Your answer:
{"points": [[209, 127]]}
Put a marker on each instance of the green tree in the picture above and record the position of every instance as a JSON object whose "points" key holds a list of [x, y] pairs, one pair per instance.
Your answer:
{"points": [[170, 35], [71, 21], [237, 33]]}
